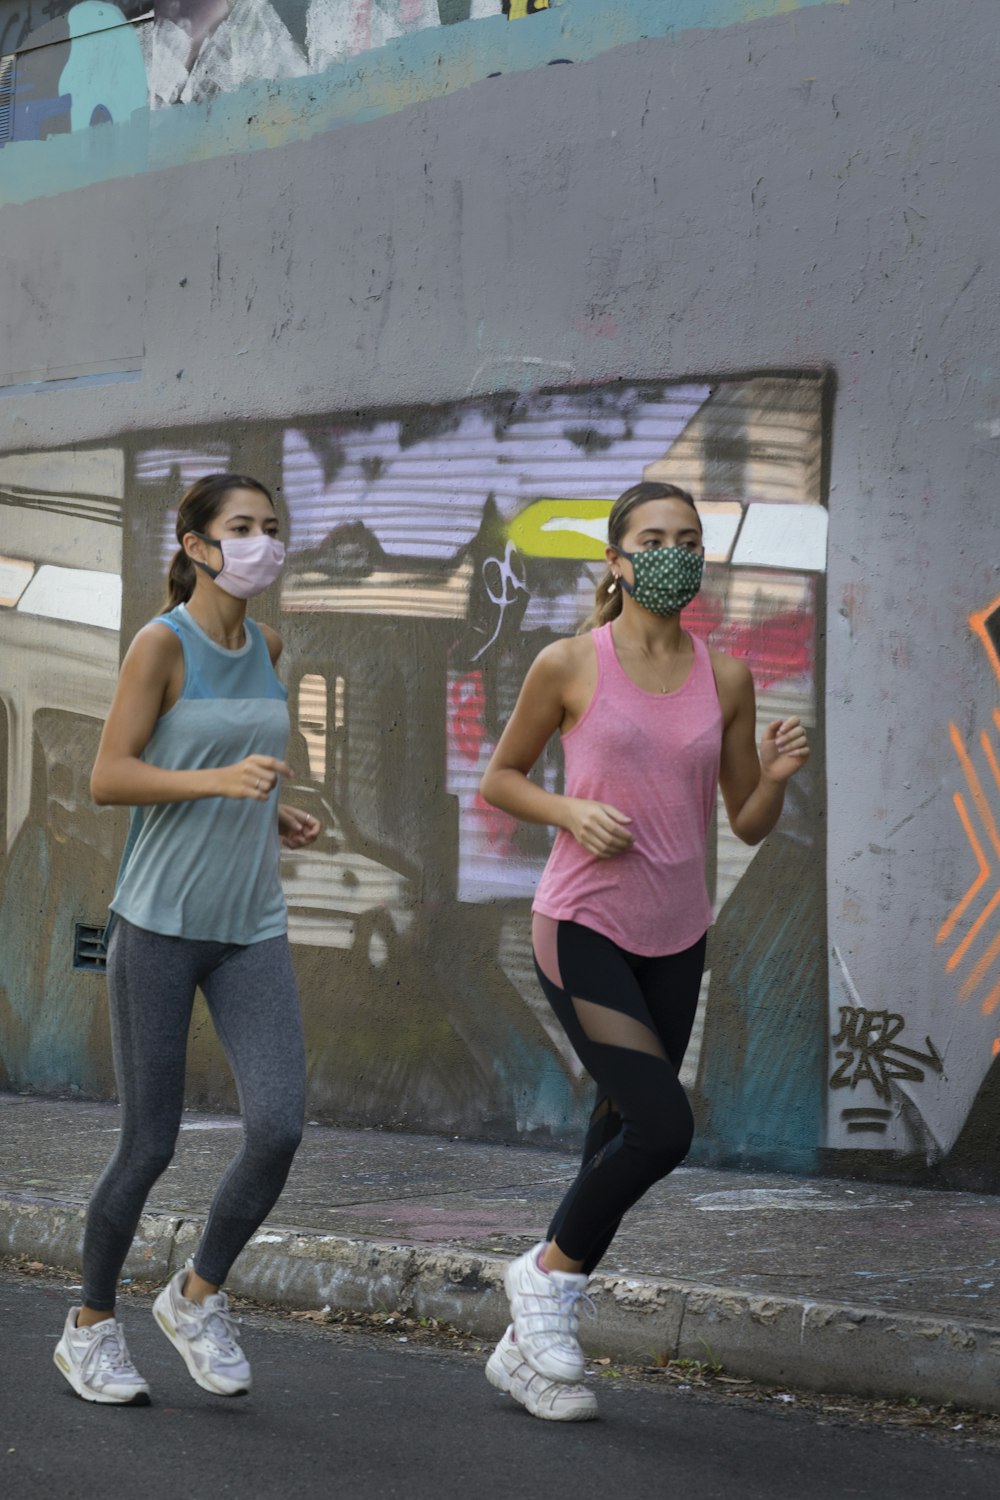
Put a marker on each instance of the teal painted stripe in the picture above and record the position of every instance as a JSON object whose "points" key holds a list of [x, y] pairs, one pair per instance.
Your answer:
{"points": [[72, 382], [425, 65]]}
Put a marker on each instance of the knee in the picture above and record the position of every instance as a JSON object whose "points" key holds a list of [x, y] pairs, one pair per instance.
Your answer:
{"points": [[665, 1142], [147, 1161], [274, 1142]]}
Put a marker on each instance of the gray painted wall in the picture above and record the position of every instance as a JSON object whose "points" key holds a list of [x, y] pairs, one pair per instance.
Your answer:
{"points": [[813, 190]]}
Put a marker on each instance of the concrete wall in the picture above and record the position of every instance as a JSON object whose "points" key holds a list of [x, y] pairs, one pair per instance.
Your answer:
{"points": [[451, 280]]}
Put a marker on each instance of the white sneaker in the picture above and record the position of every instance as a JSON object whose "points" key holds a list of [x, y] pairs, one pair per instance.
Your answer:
{"points": [[97, 1364], [543, 1306], [203, 1334], [552, 1400]]}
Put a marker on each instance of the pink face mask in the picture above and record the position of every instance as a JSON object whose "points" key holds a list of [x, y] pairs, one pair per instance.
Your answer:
{"points": [[250, 564]]}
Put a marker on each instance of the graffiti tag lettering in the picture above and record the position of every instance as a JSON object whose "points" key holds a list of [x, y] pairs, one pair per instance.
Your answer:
{"points": [[870, 1053], [510, 582]]}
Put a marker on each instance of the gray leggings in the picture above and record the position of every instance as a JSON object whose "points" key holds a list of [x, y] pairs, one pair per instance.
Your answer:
{"points": [[254, 1006]]}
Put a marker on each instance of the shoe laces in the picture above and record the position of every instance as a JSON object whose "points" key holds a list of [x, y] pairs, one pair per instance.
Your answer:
{"points": [[106, 1353], [567, 1301], [212, 1321]]}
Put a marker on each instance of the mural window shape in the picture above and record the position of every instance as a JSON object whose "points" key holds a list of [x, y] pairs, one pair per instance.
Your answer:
{"points": [[338, 737], [313, 723], [6, 98]]}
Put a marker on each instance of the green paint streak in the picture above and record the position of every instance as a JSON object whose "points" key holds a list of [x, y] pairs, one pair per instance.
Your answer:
{"points": [[425, 65]]}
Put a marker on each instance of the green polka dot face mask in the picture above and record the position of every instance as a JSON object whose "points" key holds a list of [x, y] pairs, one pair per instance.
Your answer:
{"points": [[666, 578]]}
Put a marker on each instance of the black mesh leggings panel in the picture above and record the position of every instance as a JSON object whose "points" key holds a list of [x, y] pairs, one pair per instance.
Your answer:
{"points": [[629, 1020]]}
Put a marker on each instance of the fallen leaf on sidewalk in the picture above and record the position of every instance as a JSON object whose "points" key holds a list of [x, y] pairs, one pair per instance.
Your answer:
{"points": [[318, 1315]]}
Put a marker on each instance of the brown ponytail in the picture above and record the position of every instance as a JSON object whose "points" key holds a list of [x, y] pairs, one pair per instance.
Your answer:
{"points": [[180, 580], [198, 509], [607, 603], [608, 598]]}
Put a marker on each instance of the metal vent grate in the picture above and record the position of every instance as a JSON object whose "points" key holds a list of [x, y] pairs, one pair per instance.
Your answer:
{"points": [[89, 951], [7, 65]]}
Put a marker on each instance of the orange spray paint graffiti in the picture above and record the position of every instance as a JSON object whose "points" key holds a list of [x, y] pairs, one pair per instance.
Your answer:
{"points": [[984, 841]]}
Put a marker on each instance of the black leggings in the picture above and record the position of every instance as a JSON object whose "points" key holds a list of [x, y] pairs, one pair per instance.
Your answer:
{"points": [[629, 1019]]}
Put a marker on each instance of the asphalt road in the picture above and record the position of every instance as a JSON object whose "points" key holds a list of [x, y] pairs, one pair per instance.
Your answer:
{"points": [[336, 1413]]}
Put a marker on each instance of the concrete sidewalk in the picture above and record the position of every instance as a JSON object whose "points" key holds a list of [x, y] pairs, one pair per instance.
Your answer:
{"points": [[832, 1285]]}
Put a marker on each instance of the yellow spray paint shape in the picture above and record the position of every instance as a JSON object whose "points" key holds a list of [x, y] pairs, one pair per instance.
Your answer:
{"points": [[579, 528], [562, 528]]}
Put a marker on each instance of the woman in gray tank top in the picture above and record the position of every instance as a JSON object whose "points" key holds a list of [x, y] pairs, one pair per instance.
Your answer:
{"points": [[195, 744]]}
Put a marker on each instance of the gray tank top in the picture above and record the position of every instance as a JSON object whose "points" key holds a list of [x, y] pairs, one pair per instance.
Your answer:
{"points": [[210, 869]]}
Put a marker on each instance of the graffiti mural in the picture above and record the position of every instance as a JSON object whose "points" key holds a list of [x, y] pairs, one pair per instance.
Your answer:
{"points": [[924, 1107], [969, 935], [200, 48], [433, 551], [83, 68], [27, 23], [66, 67], [70, 66]]}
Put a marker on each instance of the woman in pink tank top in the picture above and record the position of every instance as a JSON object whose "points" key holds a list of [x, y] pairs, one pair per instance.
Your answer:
{"points": [[653, 723]]}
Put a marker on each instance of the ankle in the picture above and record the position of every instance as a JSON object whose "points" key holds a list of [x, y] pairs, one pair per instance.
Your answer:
{"points": [[88, 1317], [195, 1288], [552, 1259]]}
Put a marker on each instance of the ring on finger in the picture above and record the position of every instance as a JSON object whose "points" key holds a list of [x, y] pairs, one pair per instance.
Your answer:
{"points": [[257, 785]]}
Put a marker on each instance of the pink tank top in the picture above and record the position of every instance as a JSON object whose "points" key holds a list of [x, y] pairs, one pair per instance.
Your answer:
{"points": [[654, 756]]}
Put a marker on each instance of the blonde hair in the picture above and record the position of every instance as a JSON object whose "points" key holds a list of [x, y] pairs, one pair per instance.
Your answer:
{"points": [[608, 596]]}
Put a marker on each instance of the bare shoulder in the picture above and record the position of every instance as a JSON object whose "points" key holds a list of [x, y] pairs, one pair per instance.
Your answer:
{"points": [[566, 657], [154, 645], [734, 682], [730, 670], [272, 639]]}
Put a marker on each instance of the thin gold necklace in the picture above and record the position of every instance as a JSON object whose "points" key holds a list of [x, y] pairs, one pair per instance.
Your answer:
{"points": [[664, 687]]}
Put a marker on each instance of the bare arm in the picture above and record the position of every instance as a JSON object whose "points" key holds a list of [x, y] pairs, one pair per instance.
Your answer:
{"points": [[753, 788], [539, 712], [296, 828], [120, 778], [273, 641]]}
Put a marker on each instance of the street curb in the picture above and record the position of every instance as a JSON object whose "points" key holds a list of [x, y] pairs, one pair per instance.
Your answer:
{"points": [[796, 1341]]}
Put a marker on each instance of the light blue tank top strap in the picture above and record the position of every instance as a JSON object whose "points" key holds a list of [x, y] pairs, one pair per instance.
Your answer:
{"points": [[209, 869]]}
